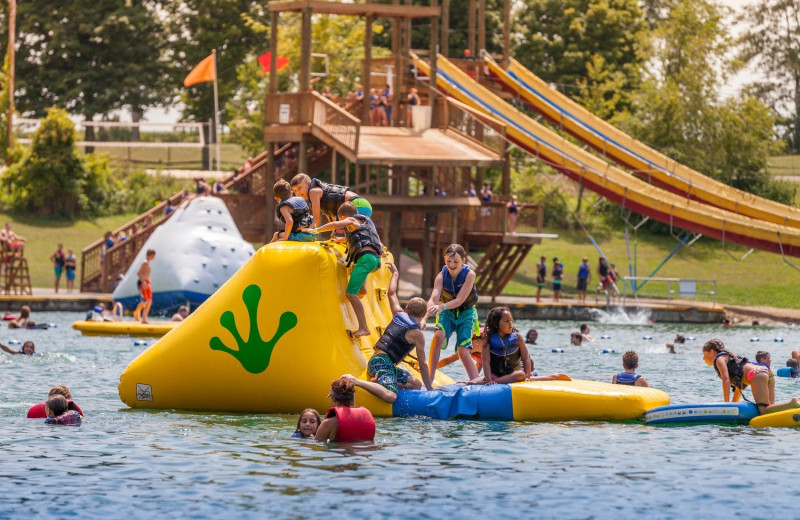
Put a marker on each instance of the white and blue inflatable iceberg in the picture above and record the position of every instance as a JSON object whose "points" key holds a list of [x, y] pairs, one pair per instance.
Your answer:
{"points": [[197, 250]]}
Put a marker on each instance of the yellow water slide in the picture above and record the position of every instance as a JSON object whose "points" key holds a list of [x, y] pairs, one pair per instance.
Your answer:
{"points": [[610, 181], [642, 160]]}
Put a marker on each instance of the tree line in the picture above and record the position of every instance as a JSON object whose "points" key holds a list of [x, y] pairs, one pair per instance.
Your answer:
{"points": [[654, 67]]}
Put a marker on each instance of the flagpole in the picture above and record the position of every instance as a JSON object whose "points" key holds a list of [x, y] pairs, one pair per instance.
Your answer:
{"points": [[216, 111]]}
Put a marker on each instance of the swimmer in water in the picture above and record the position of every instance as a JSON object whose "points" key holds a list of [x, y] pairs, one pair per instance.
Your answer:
{"points": [[27, 349], [307, 424]]}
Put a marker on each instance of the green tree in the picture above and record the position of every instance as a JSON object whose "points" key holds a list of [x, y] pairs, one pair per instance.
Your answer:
{"points": [[89, 58], [54, 179], [772, 44], [678, 112], [594, 48]]}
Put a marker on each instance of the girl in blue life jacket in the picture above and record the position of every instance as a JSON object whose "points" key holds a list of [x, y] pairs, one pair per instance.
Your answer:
{"points": [[453, 303], [506, 352]]}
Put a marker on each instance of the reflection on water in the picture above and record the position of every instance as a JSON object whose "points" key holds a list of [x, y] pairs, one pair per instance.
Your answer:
{"points": [[187, 464]]}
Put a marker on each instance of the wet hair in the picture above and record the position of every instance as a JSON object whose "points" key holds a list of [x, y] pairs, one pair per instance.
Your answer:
{"points": [[29, 344], [716, 345], [151, 252], [417, 307], [25, 311], [792, 363], [60, 390], [630, 360], [532, 336], [282, 190], [679, 339], [57, 404], [183, 308], [761, 355], [346, 210], [455, 249], [312, 412], [493, 321], [576, 338], [584, 327], [343, 390], [296, 180]]}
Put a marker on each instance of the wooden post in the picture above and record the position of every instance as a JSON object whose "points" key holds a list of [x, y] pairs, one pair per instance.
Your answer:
{"points": [[305, 51], [366, 73], [333, 167], [269, 202], [506, 171], [444, 48]]}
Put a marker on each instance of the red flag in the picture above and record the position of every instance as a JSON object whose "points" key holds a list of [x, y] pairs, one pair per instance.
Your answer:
{"points": [[203, 72], [280, 62]]}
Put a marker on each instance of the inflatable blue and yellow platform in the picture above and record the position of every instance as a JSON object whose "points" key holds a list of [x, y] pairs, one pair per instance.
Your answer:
{"points": [[274, 336]]}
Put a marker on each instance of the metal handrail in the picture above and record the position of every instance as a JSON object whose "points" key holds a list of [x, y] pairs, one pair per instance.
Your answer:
{"points": [[669, 282]]}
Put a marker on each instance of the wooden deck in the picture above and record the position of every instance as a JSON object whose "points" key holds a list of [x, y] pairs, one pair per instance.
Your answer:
{"points": [[391, 146]]}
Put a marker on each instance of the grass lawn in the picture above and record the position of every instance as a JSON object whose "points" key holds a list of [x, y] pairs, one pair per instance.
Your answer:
{"points": [[760, 279], [785, 165], [173, 157], [45, 234]]}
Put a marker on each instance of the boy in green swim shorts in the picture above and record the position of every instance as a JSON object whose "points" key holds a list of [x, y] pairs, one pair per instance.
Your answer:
{"points": [[454, 290], [364, 250]]}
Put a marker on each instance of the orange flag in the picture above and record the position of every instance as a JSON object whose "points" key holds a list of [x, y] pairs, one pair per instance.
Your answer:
{"points": [[203, 72]]}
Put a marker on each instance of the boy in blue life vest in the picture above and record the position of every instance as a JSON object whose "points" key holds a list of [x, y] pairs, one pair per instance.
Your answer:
{"points": [[325, 199], [402, 336], [453, 302], [630, 362], [293, 212], [364, 250]]}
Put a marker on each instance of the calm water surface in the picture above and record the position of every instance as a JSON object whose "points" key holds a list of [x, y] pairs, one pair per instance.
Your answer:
{"points": [[146, 464]]}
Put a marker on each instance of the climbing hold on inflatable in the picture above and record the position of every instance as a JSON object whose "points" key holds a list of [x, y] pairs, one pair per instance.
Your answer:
{"points": [[557, 350]]}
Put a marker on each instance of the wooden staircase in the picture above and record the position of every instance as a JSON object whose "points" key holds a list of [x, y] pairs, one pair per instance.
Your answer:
{"points": [[14, 275]]}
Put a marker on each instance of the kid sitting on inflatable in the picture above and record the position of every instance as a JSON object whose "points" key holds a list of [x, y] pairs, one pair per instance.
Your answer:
{"points": [[401, 337], [293, 212], [364, 249], [630, 362], [325, 199]]}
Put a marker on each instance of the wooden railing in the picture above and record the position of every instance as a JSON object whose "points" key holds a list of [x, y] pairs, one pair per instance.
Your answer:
{"points": [[493, 218], [336, 122], [473, 125]]}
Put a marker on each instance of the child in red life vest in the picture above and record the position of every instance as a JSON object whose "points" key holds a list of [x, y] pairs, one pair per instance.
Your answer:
{"points": [[344, 422], [58, 413], [307, 424], [38, 411]]}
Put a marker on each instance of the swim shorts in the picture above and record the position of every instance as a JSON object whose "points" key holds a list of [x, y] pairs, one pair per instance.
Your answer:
{"points": [[363, 207], [58, 269], [386, 373], [556, 285], [581, 284], [70, 274], [302, 236], [146, 290], [464, 324], [367, 263]]}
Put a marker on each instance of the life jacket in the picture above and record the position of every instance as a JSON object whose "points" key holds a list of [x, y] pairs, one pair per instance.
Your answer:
{"points": [[451, 288], [583, 271], [393, 341], [603, 270], [37, 411], [365, 235], [627, 378], [333, 196], [735, 368], [505, 355], [355, 423], [301, 215]]}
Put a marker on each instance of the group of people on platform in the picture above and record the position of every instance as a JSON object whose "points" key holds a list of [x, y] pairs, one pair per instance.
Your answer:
{"points": [[64, 264]]}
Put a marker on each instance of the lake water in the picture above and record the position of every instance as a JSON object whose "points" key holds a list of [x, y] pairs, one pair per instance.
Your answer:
{"points": [[158, 464]]}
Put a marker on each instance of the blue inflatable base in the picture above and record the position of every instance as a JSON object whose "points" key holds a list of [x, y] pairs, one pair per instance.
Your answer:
{"points": [[786, 372], [717, 413], [491, 402], [165, 302]]}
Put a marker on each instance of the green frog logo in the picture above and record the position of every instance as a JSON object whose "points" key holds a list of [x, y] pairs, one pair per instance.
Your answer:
{"points": [[255, 353]]}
